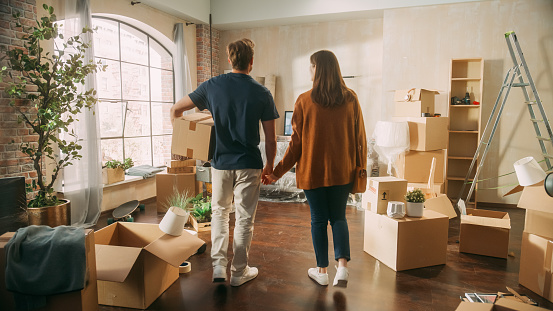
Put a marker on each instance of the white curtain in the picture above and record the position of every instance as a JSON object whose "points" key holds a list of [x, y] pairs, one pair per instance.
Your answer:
{"points": [[183, 81], [82, 181]]}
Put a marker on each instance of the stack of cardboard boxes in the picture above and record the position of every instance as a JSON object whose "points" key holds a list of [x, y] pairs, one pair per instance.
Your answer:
{"points": [[181, 177]]}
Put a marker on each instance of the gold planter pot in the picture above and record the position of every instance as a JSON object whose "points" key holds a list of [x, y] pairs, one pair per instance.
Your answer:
{"points": [[52, 216]]}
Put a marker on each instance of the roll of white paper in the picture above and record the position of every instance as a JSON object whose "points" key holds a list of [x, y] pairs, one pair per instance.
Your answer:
{"points": [[528, 171]]}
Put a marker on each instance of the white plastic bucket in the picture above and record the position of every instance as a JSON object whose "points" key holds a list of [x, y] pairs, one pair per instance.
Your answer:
{"points": [[528, 171], [174, 220]]}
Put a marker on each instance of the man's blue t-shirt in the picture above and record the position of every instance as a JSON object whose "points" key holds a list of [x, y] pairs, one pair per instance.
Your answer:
{"points": [[237, 103]]}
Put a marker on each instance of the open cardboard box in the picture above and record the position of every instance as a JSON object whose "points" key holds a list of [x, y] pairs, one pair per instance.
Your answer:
{"points": [[137, 262], [427, 133], [535, 198], [441, 204], [409, 242], [485, 232], [194, 136], [381, 190], [539, 223], [83, 300], [502, 304], [536, 265], [420, 101]]}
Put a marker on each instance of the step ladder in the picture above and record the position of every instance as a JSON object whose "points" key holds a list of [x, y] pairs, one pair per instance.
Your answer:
{"points": [[515, 78]]}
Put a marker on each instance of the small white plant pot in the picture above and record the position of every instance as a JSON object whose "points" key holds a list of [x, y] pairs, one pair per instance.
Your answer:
{"points": [[174, 220], [415, 209]]}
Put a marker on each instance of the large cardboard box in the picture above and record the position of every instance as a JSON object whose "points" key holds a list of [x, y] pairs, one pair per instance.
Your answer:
{"points": [[381, 190], [539, 223], [137, 262], [419, 101], [502, 304], [535, 198], [407, 243], [167, 183], [485, 232], [437, 189], [415, 166], [536, 265], [427, 134], [84, 300], [194, 136]]}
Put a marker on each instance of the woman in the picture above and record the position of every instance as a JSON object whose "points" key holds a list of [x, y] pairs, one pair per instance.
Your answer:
{"points": [[327, 125]]}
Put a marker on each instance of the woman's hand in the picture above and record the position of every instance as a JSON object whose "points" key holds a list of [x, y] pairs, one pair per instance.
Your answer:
{"points": [[269, 179]]}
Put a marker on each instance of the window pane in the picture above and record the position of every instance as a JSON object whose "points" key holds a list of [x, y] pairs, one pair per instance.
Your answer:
{"points": [[162, 149], [106, 38], [109, 81], [161, 121], [112, 149], [111, 119], [162, 85], [139, 149], [135, 82], [134, 45], [159, 57], [138, 119]]}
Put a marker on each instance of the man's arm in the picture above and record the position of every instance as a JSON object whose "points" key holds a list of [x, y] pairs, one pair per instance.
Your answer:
{"points": [[181, 106], [270, 146]]}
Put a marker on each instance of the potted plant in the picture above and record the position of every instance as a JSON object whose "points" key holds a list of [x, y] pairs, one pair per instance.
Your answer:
{"points": [[415, 203], [43, 89], [201, 215], [179, 206], [114, 170]]}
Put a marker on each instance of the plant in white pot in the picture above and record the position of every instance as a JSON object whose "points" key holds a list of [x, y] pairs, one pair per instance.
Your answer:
{"points": [[179, 206], [44, 91], [415, 203]]}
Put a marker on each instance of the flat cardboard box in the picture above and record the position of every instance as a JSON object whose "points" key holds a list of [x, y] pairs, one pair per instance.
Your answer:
{"points": [[381, 190], [181, 169], [181, 163], [167, 183], [485, 232], [536, 265], [137, 262], [414, 166], [535, 198], [84, 300], [427, 134], [501, 304], [112, 175], [441, 204], [194, 136], [539, 223], [407, 243]]}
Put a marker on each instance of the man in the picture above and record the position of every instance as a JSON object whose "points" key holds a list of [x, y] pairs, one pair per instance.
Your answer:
{"points": [[237, 103]]}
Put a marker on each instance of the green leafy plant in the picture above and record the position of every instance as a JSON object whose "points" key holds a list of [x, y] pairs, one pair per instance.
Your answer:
{"points": [[44, 92], [202, 208], [127, 163], [181, 200], [415, 196]]}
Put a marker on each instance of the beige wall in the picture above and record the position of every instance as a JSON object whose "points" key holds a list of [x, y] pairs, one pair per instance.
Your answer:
{"points": [[419, 42], [285, 50]]}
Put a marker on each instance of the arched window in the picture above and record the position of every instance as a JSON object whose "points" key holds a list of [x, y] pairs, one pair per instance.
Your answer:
{"points": [[135, 93]]}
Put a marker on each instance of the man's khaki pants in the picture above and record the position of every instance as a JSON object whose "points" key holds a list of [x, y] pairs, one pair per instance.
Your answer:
{"points": [[243, 186]]}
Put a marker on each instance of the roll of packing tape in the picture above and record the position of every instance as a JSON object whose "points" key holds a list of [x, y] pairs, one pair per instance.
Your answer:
{"points": [[185, 267]]}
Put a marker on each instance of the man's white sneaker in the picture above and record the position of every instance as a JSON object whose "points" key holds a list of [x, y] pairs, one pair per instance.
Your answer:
{"points": [[341, 278], [321, 278], [219, 274], [249, 274]]}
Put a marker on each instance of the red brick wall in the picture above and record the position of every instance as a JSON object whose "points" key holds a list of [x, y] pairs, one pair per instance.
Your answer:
{"points": [[205, 68], [12, 161]]}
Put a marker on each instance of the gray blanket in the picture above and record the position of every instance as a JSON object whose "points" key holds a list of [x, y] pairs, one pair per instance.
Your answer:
{"points": [[42, 261], [144, 170]]}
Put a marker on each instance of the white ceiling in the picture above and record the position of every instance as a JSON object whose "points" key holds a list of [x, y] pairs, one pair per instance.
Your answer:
{"points": [[242, 14]]}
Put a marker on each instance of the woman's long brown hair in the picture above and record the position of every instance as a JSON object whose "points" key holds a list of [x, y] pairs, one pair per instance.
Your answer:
{"points": [[329, 89]]}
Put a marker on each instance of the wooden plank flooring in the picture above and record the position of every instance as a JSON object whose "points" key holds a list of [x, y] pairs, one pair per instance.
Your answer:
{"points": [[282, 251]]}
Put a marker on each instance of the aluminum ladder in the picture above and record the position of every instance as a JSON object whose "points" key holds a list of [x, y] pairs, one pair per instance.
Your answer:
{"points": [[514, 78]]}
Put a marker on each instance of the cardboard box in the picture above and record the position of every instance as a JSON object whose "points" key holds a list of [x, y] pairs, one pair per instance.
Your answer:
{"points": [[438, 188], [415, 166], [485, 232], [181, 170], [427, 134], [407, 243], [442, 205], [84, 300], [112, 175], [381, 190], [181, 163], [535, 198], [536, 265], [137, 262], [501, 304], [420, 101], [167, 183], [539, 223], [194, 136]]}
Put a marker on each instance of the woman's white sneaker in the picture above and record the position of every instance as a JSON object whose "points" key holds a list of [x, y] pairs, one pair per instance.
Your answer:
{"points": [[321, 278], [341, 278]]}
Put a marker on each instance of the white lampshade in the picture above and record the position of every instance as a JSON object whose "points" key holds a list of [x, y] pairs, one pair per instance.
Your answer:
{"points": [[174, 220], [528, 171]]}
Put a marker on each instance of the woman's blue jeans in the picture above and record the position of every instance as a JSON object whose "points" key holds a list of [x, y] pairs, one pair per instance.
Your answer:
{"points": [[329, 204]]}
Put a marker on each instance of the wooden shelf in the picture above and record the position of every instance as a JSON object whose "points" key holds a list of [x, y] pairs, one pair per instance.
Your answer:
{"points": [[458, 178], [464, 132], [464, 106], [460, 158], [465, 79]]}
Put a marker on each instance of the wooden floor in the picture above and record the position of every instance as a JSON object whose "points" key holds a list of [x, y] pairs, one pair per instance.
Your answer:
{"points": [[282, 251]]}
